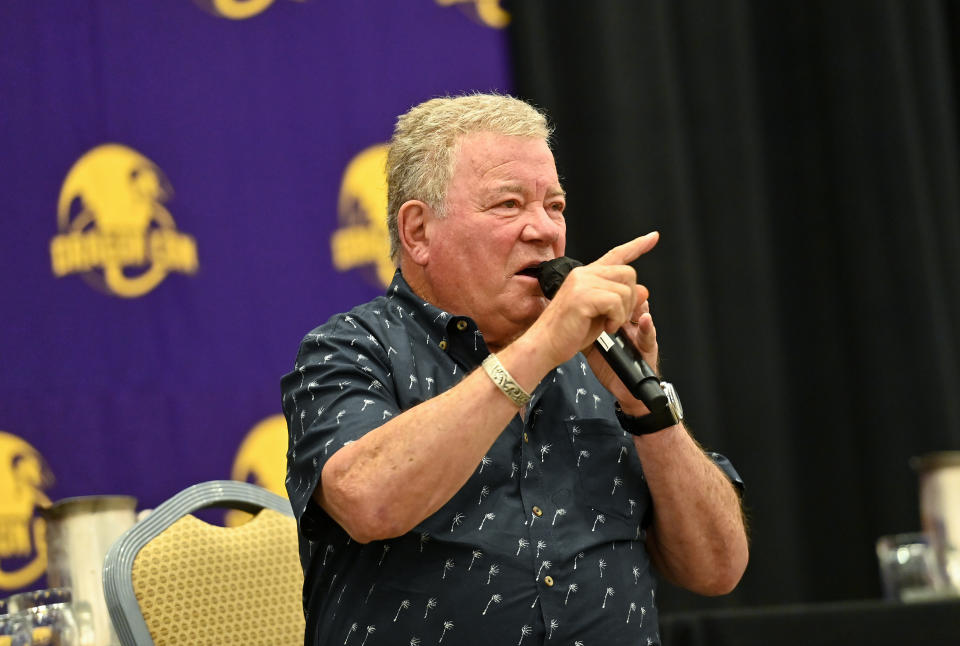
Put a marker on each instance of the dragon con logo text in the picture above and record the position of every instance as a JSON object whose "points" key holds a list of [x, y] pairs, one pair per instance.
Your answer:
{"points": [[114, 228]]}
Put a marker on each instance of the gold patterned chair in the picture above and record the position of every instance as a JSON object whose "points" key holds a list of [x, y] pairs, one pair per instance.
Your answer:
{"points": [[175, 580]]}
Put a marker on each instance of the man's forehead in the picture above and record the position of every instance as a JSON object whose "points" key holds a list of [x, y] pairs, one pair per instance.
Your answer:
{"points": [[504, 160]]}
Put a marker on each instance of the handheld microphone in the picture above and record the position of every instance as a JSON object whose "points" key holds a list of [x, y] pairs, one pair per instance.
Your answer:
{"points": [[616, 348]]}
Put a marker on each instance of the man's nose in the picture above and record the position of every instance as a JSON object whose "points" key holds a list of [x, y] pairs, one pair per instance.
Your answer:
{"points": [[540, 226]]}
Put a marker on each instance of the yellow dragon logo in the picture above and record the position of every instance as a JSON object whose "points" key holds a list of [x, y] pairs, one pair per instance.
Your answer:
{"points": [[261, 459], [362, 239], [114, 229], [23, 477]]}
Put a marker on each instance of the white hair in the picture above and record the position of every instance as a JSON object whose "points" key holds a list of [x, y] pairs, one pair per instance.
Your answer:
{"points": [[426, 140]]}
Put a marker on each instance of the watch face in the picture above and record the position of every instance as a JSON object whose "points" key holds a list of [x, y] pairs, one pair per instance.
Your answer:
{"points": [[672, 397]]}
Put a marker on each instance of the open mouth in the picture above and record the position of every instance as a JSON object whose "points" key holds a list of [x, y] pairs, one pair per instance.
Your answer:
{"points": [[532, 270]]}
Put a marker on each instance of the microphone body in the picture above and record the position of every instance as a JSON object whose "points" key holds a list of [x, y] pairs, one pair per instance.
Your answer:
{"points": [[616, 348]]}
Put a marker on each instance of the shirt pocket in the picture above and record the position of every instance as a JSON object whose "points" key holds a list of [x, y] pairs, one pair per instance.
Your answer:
{"points": [[610, 474]]}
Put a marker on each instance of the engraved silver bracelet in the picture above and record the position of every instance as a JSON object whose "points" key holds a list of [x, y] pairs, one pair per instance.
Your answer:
{"points": [[504, 381]]}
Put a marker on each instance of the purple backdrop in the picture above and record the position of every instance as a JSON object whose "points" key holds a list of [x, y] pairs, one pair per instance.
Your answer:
{"points": [[233, 136]]}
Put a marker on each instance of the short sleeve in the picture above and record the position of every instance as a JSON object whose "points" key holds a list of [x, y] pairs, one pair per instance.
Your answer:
{"points": [[340, 389], [727, 467]]}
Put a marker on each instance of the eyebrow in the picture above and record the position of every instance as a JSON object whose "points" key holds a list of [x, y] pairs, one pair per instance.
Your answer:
{"points": [[516, 188]]}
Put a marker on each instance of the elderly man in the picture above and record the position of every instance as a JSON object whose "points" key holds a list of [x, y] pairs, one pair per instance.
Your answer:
{"points": [[459, 458]]}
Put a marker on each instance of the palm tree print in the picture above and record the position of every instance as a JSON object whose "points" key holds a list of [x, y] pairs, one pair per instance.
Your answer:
{"points": [[578, 556], [340, 414], [599, 519], [526, 630], [535, 600], [609, 593], [521, 543], [352, 630], [553, 624], [369, 592], [540, 546], [636, 574], [457, 521], [616, 483], [633, 505], [622, 454], [370, 631], [476, 555], [559, 512], [603, 566], [513, 469], [447, 566], [413, 380], [386, 548], [633, 607], [447, 625], [545, 565], [580, 391], [424, 539], [366, 402], [492, 572], [431, 604], [484, 461], [643, 613], [544, 450], [484, 492], [583, 454], [486, 517], [403, 606], [494, 599], [414, 641], [527, 470], [570, 588]]}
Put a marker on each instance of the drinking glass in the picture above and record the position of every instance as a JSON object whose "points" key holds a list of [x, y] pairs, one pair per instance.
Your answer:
{"points": [[908, 568]]}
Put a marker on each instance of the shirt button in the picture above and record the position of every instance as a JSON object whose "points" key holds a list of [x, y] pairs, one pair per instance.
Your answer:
{"points": [[525, 438], [548, 581], [461, 325], [537, 511], [442, 345]]}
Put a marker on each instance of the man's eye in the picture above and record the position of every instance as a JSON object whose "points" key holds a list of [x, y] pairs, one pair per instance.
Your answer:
{"points": [[558, 206], [510, 204]]}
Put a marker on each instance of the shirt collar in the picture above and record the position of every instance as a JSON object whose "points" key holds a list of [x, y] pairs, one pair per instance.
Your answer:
{"points": [[457, 335]]}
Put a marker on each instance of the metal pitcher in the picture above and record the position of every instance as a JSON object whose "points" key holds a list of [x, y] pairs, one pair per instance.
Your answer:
{"points": [[79, 533], [940, 508]]}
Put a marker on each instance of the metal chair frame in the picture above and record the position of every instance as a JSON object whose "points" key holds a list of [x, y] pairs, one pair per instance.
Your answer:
{"points": [[121, 600]]}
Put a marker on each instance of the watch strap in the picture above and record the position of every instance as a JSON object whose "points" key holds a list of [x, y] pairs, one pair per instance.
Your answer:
{"points": [[649, 423]]}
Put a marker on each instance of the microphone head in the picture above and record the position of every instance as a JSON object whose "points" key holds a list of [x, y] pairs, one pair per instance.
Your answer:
{"points": [[552, 273]]}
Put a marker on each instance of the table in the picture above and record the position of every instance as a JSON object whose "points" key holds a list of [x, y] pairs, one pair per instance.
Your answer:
{"points": [[849, 623]]}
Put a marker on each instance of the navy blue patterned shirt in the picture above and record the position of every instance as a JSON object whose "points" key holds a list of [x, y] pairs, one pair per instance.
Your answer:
{"points": [[543, 545]]}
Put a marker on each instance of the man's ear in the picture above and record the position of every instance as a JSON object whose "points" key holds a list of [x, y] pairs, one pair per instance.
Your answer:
{"points": [[412, 221]]}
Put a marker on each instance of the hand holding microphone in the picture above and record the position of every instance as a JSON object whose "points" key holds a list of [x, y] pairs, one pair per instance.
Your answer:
{"points": [[616, 348]]}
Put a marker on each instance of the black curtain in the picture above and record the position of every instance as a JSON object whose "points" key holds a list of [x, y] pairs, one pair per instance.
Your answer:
{"points": [[800, 159]]}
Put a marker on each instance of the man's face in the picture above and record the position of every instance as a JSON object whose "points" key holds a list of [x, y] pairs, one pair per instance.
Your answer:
{"points": [[504, 214]]}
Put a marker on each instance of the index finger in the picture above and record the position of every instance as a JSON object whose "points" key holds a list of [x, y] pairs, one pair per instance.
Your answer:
{"points": [[630, 251]]}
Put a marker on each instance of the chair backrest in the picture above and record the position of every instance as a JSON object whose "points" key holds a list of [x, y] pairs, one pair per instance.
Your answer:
{"points": [[173, 579]]}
